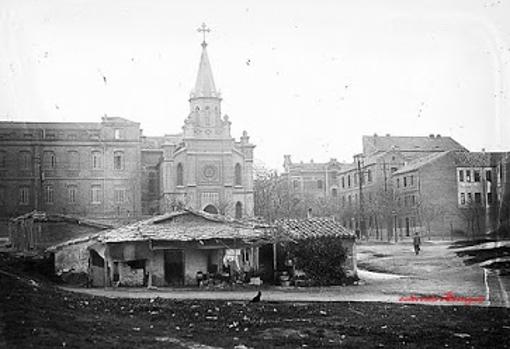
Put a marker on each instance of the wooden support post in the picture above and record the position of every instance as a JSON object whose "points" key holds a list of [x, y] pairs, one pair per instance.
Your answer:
{"points": [[150, 266], [275, 266], [105, 264]]}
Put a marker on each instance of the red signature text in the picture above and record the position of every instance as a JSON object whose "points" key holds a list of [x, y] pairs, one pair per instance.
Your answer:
{"points": [[448, 297]]}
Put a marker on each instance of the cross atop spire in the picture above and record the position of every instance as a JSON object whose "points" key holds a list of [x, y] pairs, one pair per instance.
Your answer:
{"points": [[203, 29], [204, 86]]}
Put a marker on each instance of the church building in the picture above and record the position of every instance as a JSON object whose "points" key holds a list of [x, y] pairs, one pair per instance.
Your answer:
{"points": [[204, 167], [110, 171]]}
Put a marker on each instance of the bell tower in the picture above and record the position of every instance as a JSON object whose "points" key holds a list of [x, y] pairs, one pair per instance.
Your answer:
{"points": [[205, 167], [205, 118]]}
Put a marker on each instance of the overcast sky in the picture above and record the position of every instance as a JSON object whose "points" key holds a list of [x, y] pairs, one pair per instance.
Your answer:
{"points": [[306, 78]]}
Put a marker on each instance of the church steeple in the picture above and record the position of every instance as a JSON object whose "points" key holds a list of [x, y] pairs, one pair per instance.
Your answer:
{"points": [[204, 120], [204, 86]]}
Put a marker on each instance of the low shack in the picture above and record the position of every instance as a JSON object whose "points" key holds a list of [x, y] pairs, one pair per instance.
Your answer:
{"points": [[177, 248], [35, 231]]}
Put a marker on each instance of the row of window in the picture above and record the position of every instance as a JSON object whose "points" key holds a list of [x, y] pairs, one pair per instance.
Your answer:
{"points": [[349, 198], [51, 135], [320, 183], [468, 198], [355, 177], [49, 160], [474, 175], [96, 195], [407, 181]]}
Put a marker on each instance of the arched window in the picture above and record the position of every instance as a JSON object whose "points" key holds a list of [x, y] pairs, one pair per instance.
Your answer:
{"points": [[49, 160], [96, 160], [334, 192], [369, 176], [211, 209], [118, 160], [349, 181], [180, 174], [239, 210], [238, 177], [319, 184]]}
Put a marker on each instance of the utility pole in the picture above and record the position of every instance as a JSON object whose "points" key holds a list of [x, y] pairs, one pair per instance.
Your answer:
{"points": [[359, 159]]}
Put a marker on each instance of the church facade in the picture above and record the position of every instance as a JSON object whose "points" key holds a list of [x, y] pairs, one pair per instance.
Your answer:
{"points": [[205, 168], [109, 170]]}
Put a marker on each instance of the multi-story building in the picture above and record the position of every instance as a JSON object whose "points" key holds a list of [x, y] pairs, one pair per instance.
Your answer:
{"points": [[364, 188], [86, 169], [109, 170], [447, 193], [312, 179], [204, 167]]}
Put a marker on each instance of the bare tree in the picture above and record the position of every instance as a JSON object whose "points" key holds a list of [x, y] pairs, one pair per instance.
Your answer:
{"points": [[473, 214], [429, 211], [275, 198], [224, 206]]}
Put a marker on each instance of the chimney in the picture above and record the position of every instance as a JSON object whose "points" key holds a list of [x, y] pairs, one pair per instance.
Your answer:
{"points": [[309, 213], [387, 134], [438, 136], [431, 135]]}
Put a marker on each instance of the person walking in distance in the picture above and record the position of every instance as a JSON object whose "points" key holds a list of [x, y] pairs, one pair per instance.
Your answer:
{"points": [[416, 243]]}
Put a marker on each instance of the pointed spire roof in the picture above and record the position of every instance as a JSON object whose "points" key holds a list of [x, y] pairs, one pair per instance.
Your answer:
{"points": [[204, 86]]}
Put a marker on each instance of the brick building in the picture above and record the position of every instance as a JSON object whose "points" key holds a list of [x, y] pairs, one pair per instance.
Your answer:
{"points": [[108, 170], [364, 188], [447, 193], [84, 169]]}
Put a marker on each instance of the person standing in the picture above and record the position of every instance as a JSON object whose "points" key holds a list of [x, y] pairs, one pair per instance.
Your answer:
{"points": [[416, 243]]}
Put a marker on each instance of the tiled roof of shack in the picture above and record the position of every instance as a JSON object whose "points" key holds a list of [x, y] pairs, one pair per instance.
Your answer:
{"points": [[313, 227], [164, 228]]}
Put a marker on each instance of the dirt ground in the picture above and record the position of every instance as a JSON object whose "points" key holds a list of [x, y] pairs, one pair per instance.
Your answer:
{"points": [[436, 270], [36, 314]]}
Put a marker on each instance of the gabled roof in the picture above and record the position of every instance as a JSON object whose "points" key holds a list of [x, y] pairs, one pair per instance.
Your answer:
{"points": [[478, 159], [420, 162], [298, 229], [458, 158], [164, 228], [410, 144]]}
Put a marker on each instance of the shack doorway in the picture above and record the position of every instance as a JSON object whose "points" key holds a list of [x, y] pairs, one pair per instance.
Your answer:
{"points": [[96, 269], [174, 267]]}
